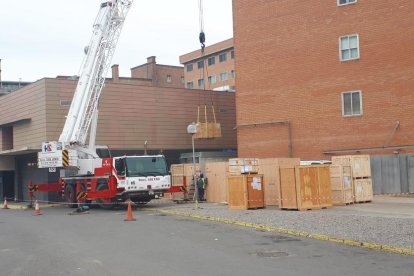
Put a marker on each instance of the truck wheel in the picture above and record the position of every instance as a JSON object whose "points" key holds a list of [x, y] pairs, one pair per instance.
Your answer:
{"points": [[104, 203], [70, 196]]}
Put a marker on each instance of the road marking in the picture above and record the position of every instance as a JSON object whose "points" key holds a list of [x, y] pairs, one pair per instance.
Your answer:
{"points": [[372, 246]]}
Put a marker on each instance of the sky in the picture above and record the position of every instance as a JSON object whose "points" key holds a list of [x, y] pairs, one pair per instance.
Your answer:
{"points": [[46, 38]]}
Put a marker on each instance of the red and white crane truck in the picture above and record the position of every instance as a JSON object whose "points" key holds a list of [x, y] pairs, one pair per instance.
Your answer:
{"points": [[88, 172]]}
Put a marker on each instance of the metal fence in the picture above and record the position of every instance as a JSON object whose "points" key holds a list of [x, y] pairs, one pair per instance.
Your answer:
{"points": [[392, 173]]}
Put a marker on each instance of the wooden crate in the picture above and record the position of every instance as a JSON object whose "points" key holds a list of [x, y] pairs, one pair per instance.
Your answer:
{"points": [[208, 130], [363, 190], [361, 164], [246, 191], [238, 166], [177, 169], [341, 184], [305, 187], [269, 167], [216, 174], [182, 175]]}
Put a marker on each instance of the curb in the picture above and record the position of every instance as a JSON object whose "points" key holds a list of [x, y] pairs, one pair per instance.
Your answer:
{"points": [[372, 246], [26, 207]]}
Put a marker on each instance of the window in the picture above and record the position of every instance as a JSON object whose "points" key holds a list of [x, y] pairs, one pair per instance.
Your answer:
{"points": [[65, 102], [233, 74], [190, 85], [223, 76], [232, 54], [346, 2], [169, 78], [200, 64], [349, 47], [351, 103], [182, 80], [201, 83], [212, 79], [223, 57], [211, 61], [189, 67]]}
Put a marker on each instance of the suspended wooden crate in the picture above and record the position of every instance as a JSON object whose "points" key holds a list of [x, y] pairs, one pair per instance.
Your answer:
{"points": [[208, 130], [361, 164], [341, 184], [305, 187], [363, 190], [216, 174], [270, 167], [238, 166], [246, 191]]}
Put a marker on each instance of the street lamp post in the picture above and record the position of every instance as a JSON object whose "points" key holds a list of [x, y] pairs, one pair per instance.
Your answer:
{"points": [[192, 129]]}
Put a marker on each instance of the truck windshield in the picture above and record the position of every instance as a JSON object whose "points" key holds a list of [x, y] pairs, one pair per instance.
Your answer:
{"points": [[146, 166]]}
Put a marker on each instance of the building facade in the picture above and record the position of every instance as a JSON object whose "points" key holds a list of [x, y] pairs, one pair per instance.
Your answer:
{"points": [[131, 112], [318, 78], [213, 70], [160, 75]]}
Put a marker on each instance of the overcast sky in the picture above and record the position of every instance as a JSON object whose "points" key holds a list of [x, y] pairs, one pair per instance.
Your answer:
{"points": [[45, 38]]}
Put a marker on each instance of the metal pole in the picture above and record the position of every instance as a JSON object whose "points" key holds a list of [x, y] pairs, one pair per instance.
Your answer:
{"points": [[194, 176]]}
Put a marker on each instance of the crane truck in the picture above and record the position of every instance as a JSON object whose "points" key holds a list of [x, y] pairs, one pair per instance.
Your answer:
{"points": [[87, 171]]}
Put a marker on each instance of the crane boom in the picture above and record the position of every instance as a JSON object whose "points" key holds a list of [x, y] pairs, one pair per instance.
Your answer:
{"points": [[106, 31]]}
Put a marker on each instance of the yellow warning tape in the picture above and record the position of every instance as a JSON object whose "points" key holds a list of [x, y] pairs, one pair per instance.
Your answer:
{"points": [[379, 247]]}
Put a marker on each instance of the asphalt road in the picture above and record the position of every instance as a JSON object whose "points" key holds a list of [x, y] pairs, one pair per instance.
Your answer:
{"points": [[102, 243]]}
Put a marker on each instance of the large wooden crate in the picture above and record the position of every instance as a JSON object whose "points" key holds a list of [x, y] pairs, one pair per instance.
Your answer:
{"points": [[305, 187], [269, 167], [182, 175], [361, 164], [341, 184], [216, 174], [246, 191], [208, 130], [363, 190], [238, 166]]}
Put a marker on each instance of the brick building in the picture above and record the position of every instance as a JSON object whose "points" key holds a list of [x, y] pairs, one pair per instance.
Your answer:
{"points": [[160, 75], [132, 111], [316, 78], [214, 69]]}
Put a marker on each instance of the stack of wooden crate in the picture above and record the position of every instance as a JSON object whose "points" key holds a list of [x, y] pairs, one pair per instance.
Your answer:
{"points": [[245, 186], [239, 166], [182, 175], [361, 175], [305, 187], [270, 167]]}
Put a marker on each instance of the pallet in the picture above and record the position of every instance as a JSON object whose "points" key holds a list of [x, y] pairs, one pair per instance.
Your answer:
{"points": [[363, 201]]}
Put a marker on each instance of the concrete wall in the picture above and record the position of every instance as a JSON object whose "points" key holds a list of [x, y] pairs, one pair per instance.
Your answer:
{"points": [[288, 68]]}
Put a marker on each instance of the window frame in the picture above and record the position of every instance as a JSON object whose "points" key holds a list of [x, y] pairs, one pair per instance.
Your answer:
{"points": [[189, 67], [201, 83], [226, 74], [347, 3], [200, 64], [232, 54], [352, 111], [340, 47], [211, 63], [225, 57], [169, 79], [188, 84], [211, 77]]}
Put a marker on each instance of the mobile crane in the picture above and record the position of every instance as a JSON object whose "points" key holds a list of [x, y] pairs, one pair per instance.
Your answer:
{"points": [[89, 173]]}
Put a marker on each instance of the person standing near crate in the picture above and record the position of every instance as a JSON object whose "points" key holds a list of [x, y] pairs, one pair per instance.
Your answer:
{"points": [[201, 186]]}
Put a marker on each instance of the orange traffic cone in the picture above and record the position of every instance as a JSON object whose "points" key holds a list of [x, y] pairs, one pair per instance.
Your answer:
{"points": [[129, 213], [5, 204], [37, 209]]}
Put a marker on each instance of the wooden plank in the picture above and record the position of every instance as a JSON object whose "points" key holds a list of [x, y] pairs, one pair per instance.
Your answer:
{"points": [[287, 191], [216, 174], [269, 167], [324, 187], [237, 192]]}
